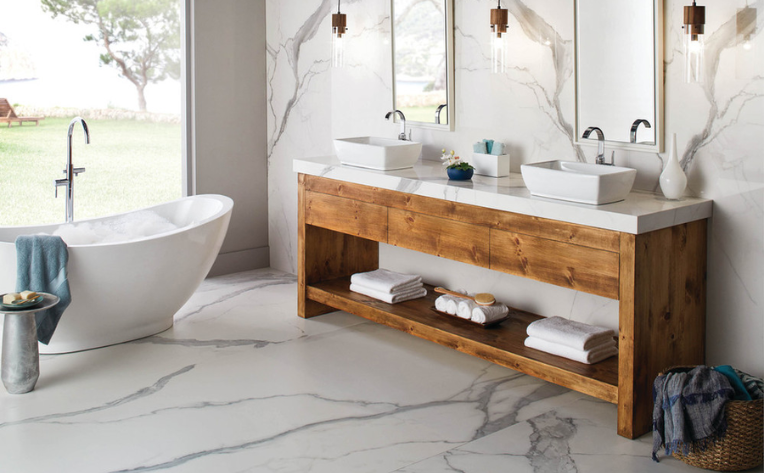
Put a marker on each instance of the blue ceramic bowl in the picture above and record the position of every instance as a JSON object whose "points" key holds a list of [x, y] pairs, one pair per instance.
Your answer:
{"points": [[459, 174]]}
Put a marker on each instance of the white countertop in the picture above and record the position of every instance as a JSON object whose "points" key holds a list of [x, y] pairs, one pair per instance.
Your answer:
{"points": [[640, 212]]}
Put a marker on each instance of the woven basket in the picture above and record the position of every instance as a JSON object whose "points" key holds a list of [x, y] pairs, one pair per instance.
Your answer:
{"points": [[742, 446]]}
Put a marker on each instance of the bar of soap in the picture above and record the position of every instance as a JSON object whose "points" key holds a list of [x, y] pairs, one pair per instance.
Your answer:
{"points": [[10, 297], [28, 295]]}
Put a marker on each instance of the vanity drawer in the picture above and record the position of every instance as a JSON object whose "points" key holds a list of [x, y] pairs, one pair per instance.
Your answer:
{"points": [[439, 236], [563, 264], [346, 216]]}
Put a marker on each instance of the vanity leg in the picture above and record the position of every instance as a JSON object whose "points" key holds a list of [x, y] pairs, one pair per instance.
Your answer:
{"points": [[662, 315], [325, 254]]}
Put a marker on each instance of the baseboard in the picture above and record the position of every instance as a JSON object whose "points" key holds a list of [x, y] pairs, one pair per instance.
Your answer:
{"points": [[237, 261]]}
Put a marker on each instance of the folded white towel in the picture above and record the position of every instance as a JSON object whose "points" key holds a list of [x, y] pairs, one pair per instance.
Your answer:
{"points": [[569, 333], [484, 314], [386, 296], [384, 280], [591, 356], [464, 308]]}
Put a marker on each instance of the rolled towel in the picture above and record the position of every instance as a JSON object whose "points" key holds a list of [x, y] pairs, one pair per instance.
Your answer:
{"points": [[591, 356], [484, 314], [497, 149], [441, 302], [386, 296], [384, 280], [464, 308], [452, 305], [569, 333]]}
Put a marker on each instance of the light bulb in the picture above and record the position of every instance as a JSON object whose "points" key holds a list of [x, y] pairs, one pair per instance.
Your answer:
{"points": [[498, 53], [747, 43], [338, 51]]}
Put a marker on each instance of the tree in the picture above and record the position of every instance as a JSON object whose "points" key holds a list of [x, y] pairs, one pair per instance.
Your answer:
{"points": [[141, 37]]}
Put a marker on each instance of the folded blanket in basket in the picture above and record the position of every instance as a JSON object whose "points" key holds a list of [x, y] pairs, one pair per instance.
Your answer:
{"points": [[386, 296], [569, 333], [384, 280], [591, 356], [688, 409]]}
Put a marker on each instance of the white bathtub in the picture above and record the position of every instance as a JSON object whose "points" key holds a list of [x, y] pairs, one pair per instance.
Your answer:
{"points": [[129, 290]]}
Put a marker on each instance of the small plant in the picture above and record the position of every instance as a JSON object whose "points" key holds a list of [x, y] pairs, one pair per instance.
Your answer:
{"points": [[454, 162]]}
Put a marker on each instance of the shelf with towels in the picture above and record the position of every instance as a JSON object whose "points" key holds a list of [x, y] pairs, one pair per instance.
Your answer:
{"points": [[658, 278], [501, 344]]}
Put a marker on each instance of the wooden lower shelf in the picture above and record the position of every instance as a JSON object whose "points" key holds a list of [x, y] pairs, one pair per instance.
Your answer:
{"points": [[501, 344]]}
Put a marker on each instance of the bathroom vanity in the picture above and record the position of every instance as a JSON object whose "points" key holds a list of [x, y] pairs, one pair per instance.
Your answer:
{"points": [[646, 252]]}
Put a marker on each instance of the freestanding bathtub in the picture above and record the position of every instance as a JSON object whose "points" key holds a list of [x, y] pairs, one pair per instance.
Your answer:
{"points": [[132, 289]]}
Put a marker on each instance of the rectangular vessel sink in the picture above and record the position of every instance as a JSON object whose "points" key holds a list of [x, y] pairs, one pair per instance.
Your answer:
{"points": [[578, 182], [383, 154]]}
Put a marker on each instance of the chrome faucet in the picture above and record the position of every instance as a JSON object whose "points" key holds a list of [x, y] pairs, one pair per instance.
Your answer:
{"points": [[634, 126], [437, 112], [70, 170], [600, 145], [402, 135]]}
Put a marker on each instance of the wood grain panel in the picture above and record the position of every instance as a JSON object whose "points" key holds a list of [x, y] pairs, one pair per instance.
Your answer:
{"points": [[662, 314], [572, 266], [440, 237], [325, 254], [502, 344], [501, 220], [346, 215]]}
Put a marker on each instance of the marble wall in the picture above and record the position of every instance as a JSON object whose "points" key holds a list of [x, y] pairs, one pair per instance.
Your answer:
{"points": [[531, 108]]}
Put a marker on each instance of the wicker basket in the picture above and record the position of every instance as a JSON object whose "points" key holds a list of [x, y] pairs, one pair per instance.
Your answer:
{"points": [[742, 446]]}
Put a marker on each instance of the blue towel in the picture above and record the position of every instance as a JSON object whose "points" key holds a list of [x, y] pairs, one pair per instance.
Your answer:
{"points": [[488, 145], [41, 266], [497, 149], [741, 393]]}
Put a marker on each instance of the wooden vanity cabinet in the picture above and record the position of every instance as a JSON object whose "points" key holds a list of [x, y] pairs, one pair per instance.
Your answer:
{"points": [[659, 279]]}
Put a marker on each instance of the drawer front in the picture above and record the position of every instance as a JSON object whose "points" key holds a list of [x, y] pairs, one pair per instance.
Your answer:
{"points": [[572, 266], [439, 236], [346, 216]]}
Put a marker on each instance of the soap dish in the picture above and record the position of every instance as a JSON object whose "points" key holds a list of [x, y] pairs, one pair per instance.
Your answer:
{"points": [[491, 164]]}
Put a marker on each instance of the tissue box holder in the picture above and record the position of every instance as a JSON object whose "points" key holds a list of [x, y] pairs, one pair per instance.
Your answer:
{"points": [[491, 165]]}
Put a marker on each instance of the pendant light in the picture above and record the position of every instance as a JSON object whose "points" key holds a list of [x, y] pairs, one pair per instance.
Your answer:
{"points": [[339, 27], [499, 22], [694, 23]]}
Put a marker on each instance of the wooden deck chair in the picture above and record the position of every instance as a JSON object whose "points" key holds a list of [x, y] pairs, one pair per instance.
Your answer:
{"points": [[7, 114]]}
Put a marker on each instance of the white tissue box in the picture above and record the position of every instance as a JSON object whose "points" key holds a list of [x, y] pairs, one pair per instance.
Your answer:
{"points": [[491, 165]]}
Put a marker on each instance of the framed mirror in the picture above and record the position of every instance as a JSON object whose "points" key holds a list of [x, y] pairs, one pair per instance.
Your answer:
{"points": [[423, 62], [619, 72]]}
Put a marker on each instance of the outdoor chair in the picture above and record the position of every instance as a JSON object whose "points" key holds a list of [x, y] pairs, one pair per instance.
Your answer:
{"points": [[7, 114]]}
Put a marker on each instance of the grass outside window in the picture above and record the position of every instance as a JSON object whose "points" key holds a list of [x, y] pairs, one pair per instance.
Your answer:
{"points": [[129, 165]]}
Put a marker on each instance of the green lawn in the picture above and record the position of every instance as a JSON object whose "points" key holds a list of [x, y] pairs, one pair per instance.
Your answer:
{"points": [[130, 165]]}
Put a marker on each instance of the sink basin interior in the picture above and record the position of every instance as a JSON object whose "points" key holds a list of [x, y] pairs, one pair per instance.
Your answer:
{"points": [[377, 153], [578, 182]]}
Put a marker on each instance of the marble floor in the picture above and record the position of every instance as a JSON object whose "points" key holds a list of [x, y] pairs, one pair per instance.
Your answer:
{"points": [[241, 384]]}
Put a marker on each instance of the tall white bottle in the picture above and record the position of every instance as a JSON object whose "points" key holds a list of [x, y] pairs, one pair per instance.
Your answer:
{"points": [[673, 181]]}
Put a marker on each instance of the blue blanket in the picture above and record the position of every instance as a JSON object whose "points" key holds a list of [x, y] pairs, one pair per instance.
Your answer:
{"points": [[688, 411], [41, 266]]}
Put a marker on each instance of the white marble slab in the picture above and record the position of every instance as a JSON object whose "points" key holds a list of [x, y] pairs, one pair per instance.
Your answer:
{"points": [[640, 212]]}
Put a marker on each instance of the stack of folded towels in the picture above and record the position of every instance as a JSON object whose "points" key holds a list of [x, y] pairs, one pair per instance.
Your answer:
{"points": [[388, 286], [468, 309], [570, 339]]}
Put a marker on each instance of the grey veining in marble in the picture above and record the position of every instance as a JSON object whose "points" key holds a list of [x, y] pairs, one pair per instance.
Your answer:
{"points": [[331, 394]]}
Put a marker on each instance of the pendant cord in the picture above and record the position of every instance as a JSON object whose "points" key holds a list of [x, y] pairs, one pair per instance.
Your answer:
{"points": [[338, 6]]}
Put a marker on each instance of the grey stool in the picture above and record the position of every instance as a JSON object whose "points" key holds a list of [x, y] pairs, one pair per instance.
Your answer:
{"points": [[21, 357]]}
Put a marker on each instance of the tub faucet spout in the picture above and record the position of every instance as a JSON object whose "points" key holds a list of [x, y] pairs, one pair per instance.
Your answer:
{"points": [[70, 170]]}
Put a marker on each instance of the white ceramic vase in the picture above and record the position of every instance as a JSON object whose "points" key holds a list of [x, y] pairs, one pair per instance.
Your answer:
{"points": [[673, 181]]}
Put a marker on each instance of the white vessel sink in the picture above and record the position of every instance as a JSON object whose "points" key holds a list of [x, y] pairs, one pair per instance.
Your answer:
{"points": [[578, 182], [383, 154]]}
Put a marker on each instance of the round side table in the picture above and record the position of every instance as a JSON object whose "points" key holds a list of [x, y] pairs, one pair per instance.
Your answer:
{"points": [[20, 365]]}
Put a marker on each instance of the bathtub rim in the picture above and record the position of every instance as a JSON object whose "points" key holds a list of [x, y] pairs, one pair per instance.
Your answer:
{"points": [[227, 206]]}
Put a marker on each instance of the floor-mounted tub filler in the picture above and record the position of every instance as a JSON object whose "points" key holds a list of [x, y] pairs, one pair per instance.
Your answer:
{"points": [[129, 289]]}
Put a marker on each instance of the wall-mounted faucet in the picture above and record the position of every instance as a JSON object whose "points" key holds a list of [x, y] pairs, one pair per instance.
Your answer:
{"points": [[402, 135], [634, 126], [70, 170], [438, 110], [600, 145]]}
